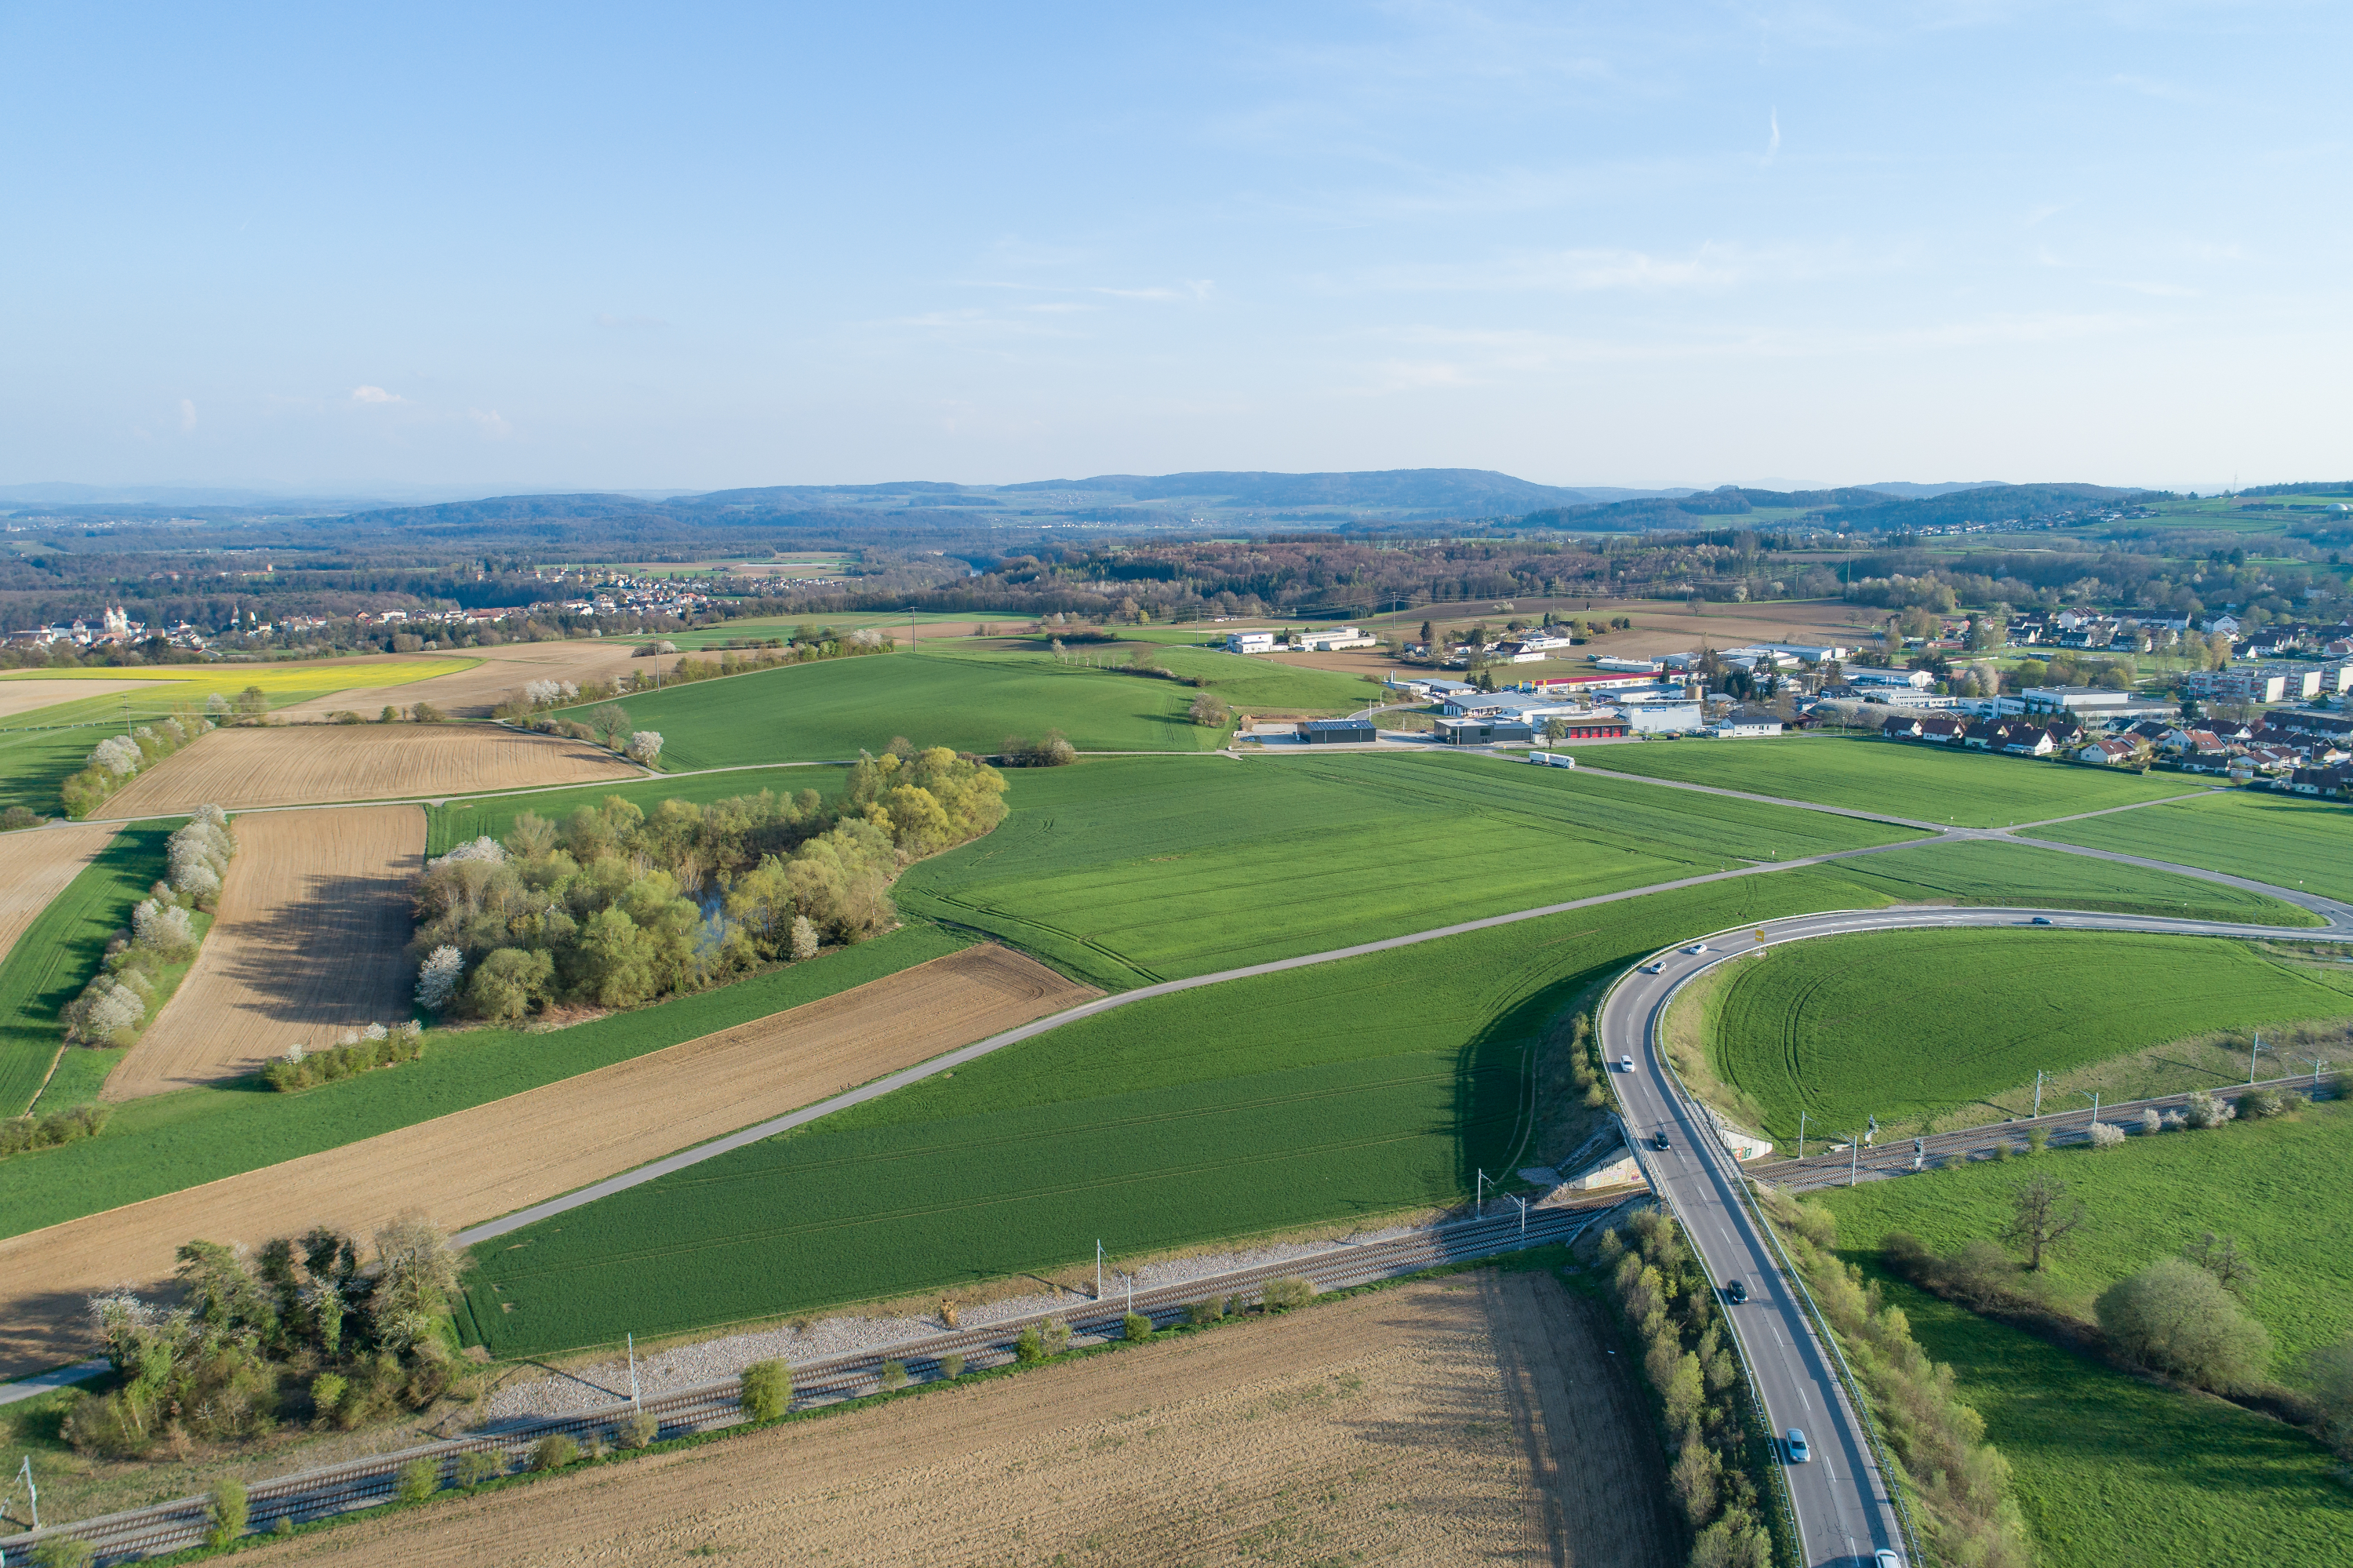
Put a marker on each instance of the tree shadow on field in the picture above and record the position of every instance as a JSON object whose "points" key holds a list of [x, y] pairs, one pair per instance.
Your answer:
{"points": [[1494, 1077], [329, 956]]}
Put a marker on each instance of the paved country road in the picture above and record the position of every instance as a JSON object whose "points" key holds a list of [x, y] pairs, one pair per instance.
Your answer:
{"points": [[1845, 1513]]}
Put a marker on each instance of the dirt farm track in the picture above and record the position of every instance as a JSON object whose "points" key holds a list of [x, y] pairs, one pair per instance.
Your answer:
{"points": [[36, 864], [301, 765], [1471, 1420], [308, 942], [548, 1140]]}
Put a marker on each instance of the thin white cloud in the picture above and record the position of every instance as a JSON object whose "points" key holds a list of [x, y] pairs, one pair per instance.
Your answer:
{"points": [[1709, 267], [2155, 290], [376, 395], [187, 415], [2152, 87], [1773, 142], [611, 322], [490, 422]]}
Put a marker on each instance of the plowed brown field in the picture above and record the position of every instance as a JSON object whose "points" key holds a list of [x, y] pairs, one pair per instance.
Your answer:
{"points": [[308, 942], [36, 864], [477, 1164], [1474, 1420], [472, 694], [241, 768], [24, 696]]}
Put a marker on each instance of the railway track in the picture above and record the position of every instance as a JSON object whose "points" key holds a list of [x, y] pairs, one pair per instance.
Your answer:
{"points": [[358, 1484], [2065, 1128]]}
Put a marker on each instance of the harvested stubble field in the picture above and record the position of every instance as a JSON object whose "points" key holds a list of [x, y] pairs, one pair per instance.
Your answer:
{"points": [[35, 865], [2277, 839], [501, 673], [244, 768], [1969, 788], [476, 1164], [30, 696], [1909, 1026], [307, 943], [1468, 1420]]}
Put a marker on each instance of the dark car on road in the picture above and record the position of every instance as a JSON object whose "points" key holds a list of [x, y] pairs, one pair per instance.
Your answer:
{"points": [[1735, 1292], [1659, 1139]]}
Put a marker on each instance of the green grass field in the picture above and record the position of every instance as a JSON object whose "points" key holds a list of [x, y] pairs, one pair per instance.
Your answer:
{"points": [[2109, 1469], [830, 711], [1128, 870], [1997, 872], [34, 764], [2278, 839], [2276, 1186], [1339, 1092], [457, 822], [59, 952], [171, 1141], [1907, 1025], [1971, 789]]}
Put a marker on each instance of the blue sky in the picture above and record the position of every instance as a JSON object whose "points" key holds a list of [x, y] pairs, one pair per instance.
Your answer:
{"points": [[497, 248]]}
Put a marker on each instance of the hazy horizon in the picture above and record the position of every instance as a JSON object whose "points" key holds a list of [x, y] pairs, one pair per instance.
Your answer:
{"points": [[533, 250]]}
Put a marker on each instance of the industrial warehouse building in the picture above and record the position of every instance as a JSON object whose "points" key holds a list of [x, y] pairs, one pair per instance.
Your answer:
{"points": [[1338, 732], [1485, 731]]}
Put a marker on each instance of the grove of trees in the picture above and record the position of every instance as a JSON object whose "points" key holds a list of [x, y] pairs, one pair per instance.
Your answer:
{"points": [[614, 908]]}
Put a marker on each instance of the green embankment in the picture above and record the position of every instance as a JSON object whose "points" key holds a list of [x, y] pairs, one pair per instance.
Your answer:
{"points": [[1341, 1091], [1967, 789], [171, 1141], [2107, 1469], [1909, 1026], [2005, 873], [2278, 1187], [2103, 1459], [2278, 839], [58, 953], [1127, 869], [459, 821]]}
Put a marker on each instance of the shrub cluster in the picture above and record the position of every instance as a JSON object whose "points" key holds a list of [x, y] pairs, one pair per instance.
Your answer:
{"points": [[360, 1051], [16, 817], [367, 1339], [113, 1006], [1054, 750], [19, 1133], [1968, 1510], [616, 907], [116, 760], [1665, 1295]]}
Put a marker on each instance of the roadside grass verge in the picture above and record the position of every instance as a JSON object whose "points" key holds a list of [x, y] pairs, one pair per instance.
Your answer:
{"points": [[2276, 1186], [1912, 1026], [56, 957], [168, 1142], [1340, 1091], [828, 711], [2009, 874], [1128, 870], [2278, 839], [1967, 789], [463, 819]]}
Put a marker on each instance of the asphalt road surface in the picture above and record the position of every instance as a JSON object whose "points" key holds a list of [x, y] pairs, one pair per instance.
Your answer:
{"points": [[1843, 1510]]}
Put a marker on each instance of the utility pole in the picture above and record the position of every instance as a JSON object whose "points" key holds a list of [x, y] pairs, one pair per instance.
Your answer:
{"points": [[1098, 1269], [2317, 1063], [32, 1492], [636, 1401], [2253, 1050], [2093, 1095], [2039, 1076], [1801, 1135], [1522, 1202], [1479, 1205], [910, 628], [1854, 1155]]}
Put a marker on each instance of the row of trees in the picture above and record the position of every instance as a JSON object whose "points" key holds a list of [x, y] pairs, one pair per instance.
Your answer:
{"points": [[114, 1006], [116, 760], [614, 908], [362, 1334], [1665, 1295]]}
